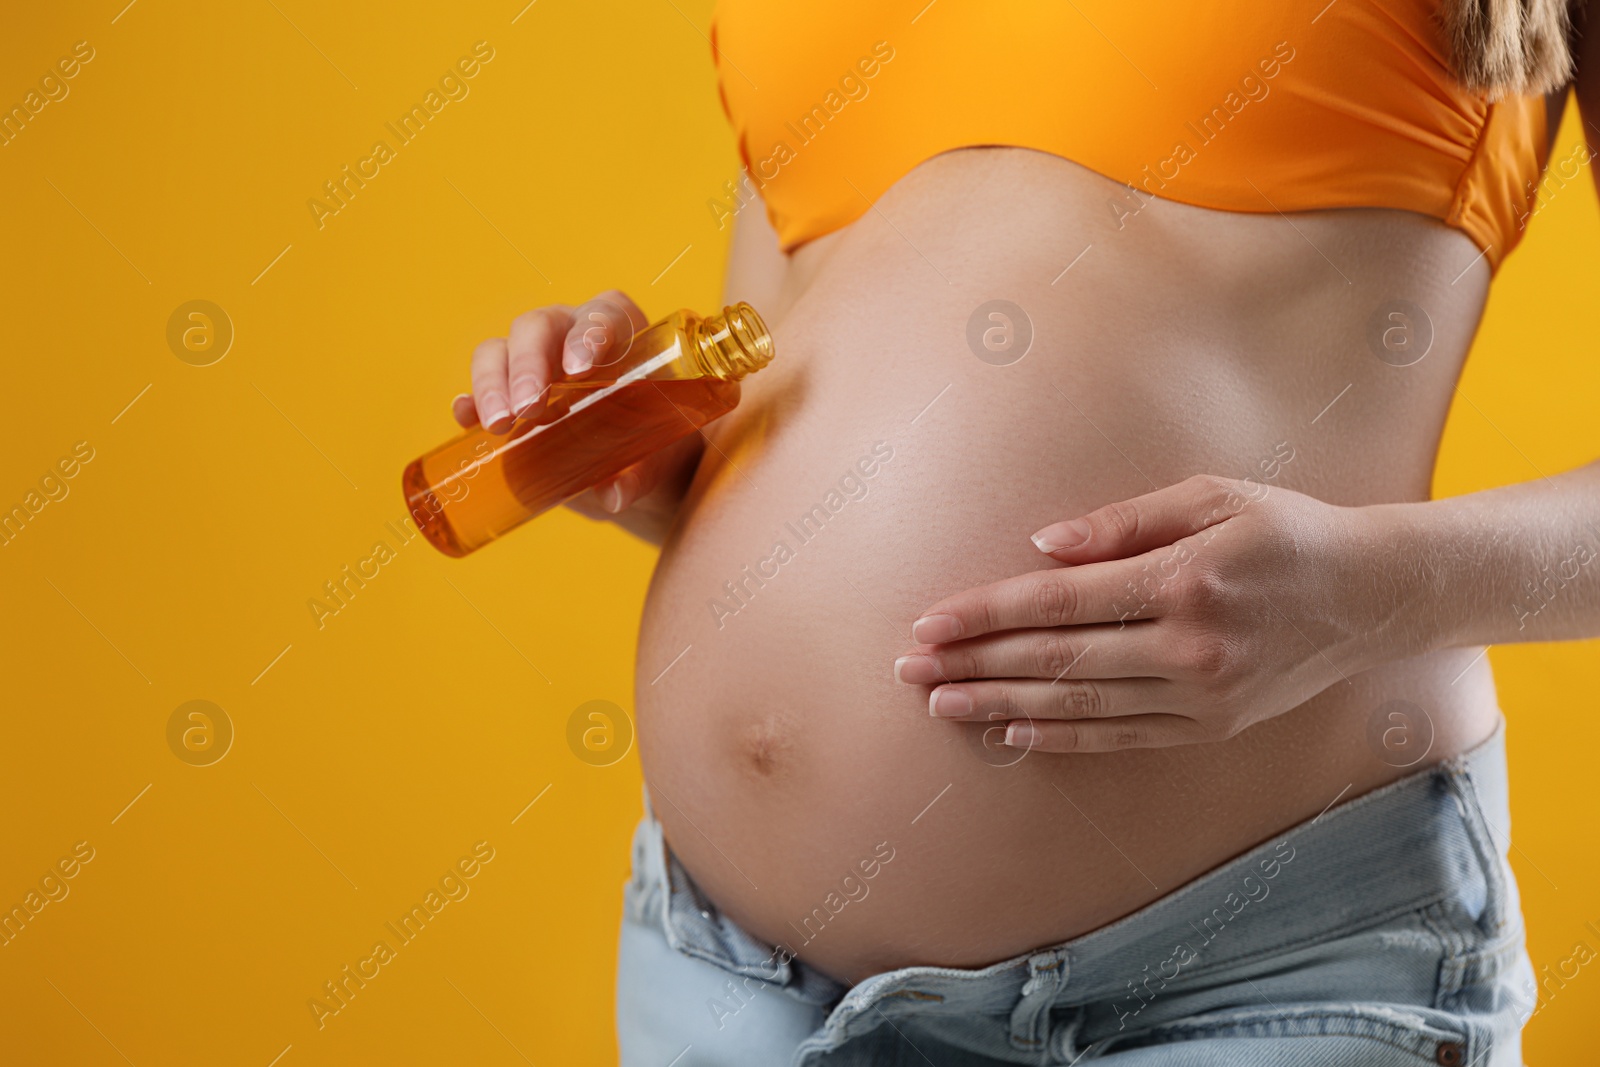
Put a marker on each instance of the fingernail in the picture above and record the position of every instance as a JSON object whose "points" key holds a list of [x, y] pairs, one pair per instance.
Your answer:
{"points": [[1069, 534], [611, 498], [917, 670], [936, 629], [1023, 735], [459, 397], [494, 412], [523, 394], [949, 703], [627, 489], [577, 360]]}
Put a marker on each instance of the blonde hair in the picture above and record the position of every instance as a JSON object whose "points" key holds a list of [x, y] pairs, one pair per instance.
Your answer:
{"points": [[1509, 47]]}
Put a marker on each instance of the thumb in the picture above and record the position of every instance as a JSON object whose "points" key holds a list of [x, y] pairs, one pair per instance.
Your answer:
{"points": [[1133, 527], [634, 483], [619, 493]]}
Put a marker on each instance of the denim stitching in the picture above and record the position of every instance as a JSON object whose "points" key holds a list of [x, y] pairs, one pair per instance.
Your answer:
{"points": [[1452, 948], [1274, 1027], [1495, 919], [1321, 937], [1485, 965], [1376, 1038]]}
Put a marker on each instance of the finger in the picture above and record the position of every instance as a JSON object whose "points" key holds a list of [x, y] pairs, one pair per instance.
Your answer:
{"points": [[610, 497], [1094, 593], [1080, 651], [1130, 527], [533, 356], [1026, 698], [490, 391], [464, 410], [601, 332], [638, 481], [633, 484], [619, 493], [1105, 735]]}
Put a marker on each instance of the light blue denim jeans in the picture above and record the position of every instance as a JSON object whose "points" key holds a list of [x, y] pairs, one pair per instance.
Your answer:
{"points": [[1384, 932]]}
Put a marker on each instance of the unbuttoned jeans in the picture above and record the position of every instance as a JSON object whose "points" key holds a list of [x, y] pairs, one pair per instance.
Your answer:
{"points": [[1386, 931]]}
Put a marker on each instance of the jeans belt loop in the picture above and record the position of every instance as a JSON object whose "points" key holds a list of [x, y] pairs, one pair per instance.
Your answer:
{"points": [[659, 874], [1490, 856], [1030, 1019]]}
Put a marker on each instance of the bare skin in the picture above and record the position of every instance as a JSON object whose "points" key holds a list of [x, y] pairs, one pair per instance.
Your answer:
{"points": [[780, 747]]}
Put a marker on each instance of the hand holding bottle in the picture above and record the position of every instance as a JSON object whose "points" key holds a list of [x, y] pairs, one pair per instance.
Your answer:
{"points": [[512, 379], [592, 406]]}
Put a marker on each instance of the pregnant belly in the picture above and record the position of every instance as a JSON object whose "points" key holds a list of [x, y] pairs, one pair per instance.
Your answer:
{"points": [[890, 456]]}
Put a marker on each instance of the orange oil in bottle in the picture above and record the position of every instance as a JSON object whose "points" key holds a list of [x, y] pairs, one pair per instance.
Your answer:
{"points": [[675, 377]]}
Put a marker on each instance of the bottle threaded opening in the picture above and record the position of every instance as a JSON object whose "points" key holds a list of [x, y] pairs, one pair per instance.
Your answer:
{"points": [[736, 343]]}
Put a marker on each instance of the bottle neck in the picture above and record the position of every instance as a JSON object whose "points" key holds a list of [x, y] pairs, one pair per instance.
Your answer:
{"points": [[733, 344]]}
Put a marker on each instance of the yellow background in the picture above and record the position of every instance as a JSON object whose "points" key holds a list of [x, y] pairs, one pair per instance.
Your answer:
{"points": [[431, 710]]}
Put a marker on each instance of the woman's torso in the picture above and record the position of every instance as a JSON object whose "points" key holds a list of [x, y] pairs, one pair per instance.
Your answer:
{"points": [[888, 458], [780, 751]]}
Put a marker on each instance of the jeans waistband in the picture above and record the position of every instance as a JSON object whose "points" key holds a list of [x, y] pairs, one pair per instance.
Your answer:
{"points": [[1438, 834]]}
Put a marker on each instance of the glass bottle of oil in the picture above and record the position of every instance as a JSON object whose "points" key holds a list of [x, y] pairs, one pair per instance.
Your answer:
{"points": [[676, 376]]}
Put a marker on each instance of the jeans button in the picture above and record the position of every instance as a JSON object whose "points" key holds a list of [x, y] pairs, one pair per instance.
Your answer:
{"points": [[1450, 1054]]}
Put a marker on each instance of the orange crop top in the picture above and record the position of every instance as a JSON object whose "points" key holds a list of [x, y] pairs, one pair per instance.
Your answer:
{"points": [[1238, 105]]}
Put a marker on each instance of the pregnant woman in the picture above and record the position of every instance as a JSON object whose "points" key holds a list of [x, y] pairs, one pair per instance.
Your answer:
{"points": [[1057, 655]]}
